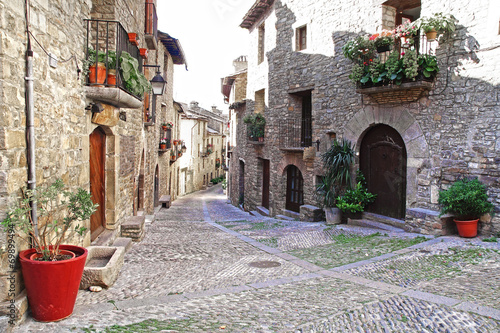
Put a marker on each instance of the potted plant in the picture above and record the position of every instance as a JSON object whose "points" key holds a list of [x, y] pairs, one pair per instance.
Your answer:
{"points": [[134, 81], [467, 201], [337, 161], [436, 24], [163, 143], [354, 201], [94, 67], [359, 48], [406, 32], [143, 53], [111, 68], [383, 40], [256, 126], [51, 270]]}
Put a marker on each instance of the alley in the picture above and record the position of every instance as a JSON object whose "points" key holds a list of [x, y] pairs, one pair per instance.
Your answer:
{"points": [[202, 268]]}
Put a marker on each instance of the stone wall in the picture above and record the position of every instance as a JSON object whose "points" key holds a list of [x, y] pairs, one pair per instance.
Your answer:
{"points": [[450, 132]]}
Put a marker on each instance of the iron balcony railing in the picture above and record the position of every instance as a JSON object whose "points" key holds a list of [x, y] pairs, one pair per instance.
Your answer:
{"points": [[108, 39], [151, 20], [295, 133]]}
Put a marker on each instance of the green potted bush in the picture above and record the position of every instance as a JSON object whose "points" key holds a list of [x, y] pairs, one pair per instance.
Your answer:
{"points": [[436, 24], [355, 200], [51, 270], [256, 126], [467, 201], [337, 161], [359, 48]]}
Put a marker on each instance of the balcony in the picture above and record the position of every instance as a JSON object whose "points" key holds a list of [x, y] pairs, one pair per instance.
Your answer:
{"points": [[151, 26], [295, 134], [107, 48], [413, 70]]}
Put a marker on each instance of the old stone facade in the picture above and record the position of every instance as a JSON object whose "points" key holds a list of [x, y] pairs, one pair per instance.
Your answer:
{"points": [[449, 131], [71, 114]]}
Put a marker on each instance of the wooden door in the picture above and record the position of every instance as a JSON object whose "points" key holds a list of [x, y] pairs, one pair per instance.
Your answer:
{"points": [[265, 183], [306, 128], [383, 162], [97, 141], [294, 189], [157, 189]]}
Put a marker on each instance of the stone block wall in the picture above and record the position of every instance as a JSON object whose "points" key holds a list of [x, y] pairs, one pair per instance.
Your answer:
{"points": [[450, 132]]}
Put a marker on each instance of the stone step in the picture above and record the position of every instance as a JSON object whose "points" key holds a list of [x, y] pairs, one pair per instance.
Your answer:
{"points": [[283, 217], [133, 228], [149, 219], [384, 219], [292, 214], [374, 225], [255, 213], [262, 210], [123, 242], [105, 238]]}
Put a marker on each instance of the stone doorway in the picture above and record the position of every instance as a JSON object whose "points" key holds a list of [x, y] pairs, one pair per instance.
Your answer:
{"points": [[294, 189], [383, 162]]}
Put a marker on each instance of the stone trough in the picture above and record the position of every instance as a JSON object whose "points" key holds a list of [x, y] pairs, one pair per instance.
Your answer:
{"points": [[102, 266]]}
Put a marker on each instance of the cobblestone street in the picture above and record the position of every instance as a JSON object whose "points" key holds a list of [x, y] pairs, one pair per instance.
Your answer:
{"points": [[206, 266]]}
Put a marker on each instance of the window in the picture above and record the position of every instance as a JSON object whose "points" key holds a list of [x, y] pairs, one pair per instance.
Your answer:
{"points": [[260, 51], [260, 102], [301, 38]]}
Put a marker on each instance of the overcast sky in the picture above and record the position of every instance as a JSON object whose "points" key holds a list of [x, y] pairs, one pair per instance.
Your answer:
{"points": [[210, 35]]}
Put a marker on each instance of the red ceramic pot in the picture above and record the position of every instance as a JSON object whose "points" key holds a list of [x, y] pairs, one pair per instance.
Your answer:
{"points": [[52, 286], [467, 229]]}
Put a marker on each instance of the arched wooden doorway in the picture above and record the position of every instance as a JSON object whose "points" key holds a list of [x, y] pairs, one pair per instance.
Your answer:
{"points": [[294, 189], [383, 162], [97, 161]]}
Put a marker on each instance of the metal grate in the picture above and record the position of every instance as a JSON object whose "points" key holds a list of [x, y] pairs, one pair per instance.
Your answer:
{"points": [[295, 133]]}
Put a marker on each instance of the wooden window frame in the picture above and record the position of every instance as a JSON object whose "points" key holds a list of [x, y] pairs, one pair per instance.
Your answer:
{"points": [[301, 38]]}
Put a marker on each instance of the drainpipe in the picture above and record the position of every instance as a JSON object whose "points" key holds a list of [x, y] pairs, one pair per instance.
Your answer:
{"points": [[30, 133]]}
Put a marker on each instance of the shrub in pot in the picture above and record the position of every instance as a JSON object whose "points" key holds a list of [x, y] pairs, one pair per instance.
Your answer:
{"points": [[354, 201], [51, 270], [467, 201]]}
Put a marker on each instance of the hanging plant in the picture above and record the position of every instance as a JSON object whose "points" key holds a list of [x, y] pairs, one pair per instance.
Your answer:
{"points": [[135, 82]]}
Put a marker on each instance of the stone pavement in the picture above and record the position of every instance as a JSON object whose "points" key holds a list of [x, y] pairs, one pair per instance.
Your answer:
{"points": [[190, 267]]}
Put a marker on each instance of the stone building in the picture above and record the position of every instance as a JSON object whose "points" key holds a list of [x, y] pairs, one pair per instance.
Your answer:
{"points": [[411, 140], [99, 134], [205, 135]]}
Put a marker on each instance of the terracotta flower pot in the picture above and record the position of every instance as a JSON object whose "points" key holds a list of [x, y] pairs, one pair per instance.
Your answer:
{"points": [[132, 37], [144, 53], [112, 77], [99, 75], [431, 35], [163, 146], [164, 127], [467, 229], [52, 286]]}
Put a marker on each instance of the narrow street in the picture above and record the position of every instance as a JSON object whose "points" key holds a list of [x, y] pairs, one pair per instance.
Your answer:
{"points": [[206, 266]]}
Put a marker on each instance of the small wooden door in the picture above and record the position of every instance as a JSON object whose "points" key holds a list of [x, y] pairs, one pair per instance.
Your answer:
{"points": [[265, 183], [383, 162], [294, 189], [97, 141], [157, 189]]}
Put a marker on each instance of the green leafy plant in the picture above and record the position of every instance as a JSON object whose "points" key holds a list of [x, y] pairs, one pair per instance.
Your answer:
{"points": [[394, 68], [439, 22], [359, 47], [410, 64], [135, 82], [355, 199], [224, 184], [428, 65], [256, 125], [57, 211], [465, 199], [337, 163]]}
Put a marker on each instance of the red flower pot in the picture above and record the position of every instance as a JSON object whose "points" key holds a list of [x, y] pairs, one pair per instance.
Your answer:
{"points": [[52, 286], [97, 76], [467, 229], [144, 53], [132, 37]]}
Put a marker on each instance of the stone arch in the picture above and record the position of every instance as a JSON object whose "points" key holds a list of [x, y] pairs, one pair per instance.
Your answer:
{"points": [[405, 124]]}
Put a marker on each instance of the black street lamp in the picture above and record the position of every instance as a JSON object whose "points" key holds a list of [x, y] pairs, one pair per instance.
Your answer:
{"points": [[157, 82]]}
